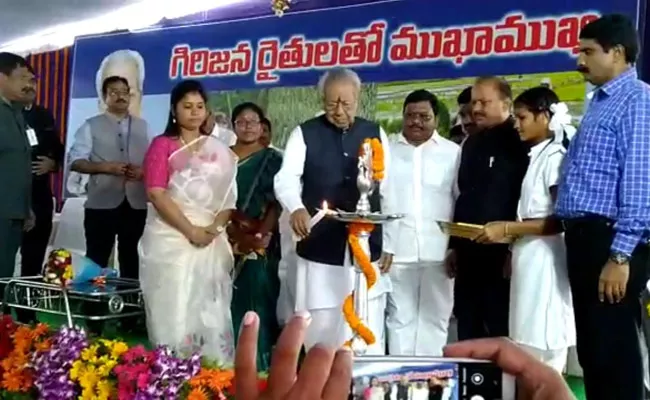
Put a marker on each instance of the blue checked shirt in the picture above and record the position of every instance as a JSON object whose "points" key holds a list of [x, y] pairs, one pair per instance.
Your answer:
{"points": [[606, 170]]}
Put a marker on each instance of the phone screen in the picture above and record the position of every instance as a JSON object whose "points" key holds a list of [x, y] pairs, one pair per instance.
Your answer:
{"points": [[417, 378]]}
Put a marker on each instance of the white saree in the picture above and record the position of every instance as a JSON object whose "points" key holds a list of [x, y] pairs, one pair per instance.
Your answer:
{"points": [[188, 289]]}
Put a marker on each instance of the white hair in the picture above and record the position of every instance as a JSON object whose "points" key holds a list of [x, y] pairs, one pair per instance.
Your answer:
{"points": [[337, 75], [120, 56]]}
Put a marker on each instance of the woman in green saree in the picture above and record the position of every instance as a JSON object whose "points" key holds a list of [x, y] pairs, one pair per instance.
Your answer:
{"points": [[253, 231]]}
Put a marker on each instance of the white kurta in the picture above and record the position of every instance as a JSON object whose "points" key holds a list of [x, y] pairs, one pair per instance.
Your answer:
{"points": [[420, 185], [285, 307], [541, 310], [321, 288]]}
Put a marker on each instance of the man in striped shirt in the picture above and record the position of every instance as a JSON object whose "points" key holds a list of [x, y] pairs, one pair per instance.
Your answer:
{"points": [[604, 203]]}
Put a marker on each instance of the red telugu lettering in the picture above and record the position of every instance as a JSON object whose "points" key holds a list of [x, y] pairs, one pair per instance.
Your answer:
{"points": [[513, 34], [358, 47], [186, 62]]}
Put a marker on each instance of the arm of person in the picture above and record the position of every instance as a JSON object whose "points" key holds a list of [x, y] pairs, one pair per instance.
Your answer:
{"points": [[634, 185], [156, 179], [288, 181], [134, 171], [387, 201], [453, 241], [223, 217], [542, 226], [80, 153]]}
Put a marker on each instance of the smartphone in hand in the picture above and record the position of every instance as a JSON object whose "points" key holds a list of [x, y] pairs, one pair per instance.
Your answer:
{"points": [[426, 378]]}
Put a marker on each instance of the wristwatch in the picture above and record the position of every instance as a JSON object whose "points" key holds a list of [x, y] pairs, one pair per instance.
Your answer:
{"points": [[619, 258]]}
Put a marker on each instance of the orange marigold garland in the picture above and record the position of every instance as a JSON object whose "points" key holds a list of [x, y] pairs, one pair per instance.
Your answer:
{"points": [[362, 259], [377, 159]]}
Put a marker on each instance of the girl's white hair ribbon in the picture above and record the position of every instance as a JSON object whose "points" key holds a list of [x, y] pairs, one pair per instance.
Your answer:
{"points": [[560, 123]]}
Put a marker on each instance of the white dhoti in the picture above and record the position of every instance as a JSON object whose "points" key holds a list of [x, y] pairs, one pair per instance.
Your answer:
{"points": [[419, 309], [321, 290]]}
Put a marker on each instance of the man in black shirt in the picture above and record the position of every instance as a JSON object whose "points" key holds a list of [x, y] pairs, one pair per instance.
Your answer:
{"points": [[464, 122], [492, 167], [47, 155]]}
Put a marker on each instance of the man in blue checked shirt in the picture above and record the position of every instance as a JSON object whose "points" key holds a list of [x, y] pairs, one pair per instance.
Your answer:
{"points": [[604, 203]]}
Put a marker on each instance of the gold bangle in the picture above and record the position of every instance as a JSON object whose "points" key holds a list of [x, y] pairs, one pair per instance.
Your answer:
{"points": [[505, 229]]}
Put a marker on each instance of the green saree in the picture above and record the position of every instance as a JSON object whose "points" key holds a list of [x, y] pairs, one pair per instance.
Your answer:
{"points": [[257, 284]]}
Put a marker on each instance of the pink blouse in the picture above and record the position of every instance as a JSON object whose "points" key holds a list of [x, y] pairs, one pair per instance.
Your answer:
{"points": [[156, 167]]}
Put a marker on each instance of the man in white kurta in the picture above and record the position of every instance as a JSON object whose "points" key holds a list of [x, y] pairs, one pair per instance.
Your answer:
{"points": [[420, 185], [320, 164]]}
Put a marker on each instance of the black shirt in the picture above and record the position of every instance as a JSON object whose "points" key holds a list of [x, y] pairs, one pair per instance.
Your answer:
{"points": [[49, 145], [492, 167], [435, 392]]}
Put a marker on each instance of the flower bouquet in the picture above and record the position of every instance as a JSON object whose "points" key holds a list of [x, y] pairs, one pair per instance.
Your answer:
{"points": [[66, 364], [67, 269], [58, 268]]}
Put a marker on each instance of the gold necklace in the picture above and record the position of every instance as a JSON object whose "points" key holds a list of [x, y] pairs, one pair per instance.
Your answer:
{"points": [[185, 144]]}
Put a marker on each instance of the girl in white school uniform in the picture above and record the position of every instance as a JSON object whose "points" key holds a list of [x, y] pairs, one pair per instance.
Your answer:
{"points": [[541, 310]]}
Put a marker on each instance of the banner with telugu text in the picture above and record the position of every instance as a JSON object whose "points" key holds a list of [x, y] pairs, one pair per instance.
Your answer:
{"points": [[395, 46]]}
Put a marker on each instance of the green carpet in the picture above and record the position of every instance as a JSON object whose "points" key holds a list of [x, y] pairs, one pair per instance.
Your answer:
{"points": [[577, 387], [111, 331]]}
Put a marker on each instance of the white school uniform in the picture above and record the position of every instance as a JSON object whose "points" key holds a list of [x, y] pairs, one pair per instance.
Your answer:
{"points": [[420, 185], [322, 288], [541, 310]]}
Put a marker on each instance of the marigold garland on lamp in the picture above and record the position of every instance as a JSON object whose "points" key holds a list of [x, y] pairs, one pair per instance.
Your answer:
{"points": [[363, 261], [371, 172]]}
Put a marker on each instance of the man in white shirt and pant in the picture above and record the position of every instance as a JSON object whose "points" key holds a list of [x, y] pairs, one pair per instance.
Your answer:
{"points": [[421, 185], [320, 164]]}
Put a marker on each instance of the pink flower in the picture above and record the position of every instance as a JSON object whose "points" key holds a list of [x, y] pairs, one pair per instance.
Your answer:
{"points": [[143, 380]]}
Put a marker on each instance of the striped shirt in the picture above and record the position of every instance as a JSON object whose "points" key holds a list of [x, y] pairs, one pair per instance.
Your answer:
{"points": [[606, 170]]}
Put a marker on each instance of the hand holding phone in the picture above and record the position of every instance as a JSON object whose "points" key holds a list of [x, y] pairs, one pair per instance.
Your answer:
{"points": [[535, 379], [323, 375], [415, 378]]}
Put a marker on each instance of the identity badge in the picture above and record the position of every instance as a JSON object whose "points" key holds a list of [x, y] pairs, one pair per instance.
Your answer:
{"points": [[31, 137]]}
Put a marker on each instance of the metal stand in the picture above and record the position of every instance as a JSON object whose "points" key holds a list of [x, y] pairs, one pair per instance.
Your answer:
{"points": [[363, 215], [121, 298], [359, 346]]}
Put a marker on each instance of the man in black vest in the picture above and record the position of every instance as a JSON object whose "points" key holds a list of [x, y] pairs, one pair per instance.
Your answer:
{"points": [[320, 164]]}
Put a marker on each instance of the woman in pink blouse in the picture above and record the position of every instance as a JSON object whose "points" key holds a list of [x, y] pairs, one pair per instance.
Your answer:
{"points": [[185, 258]]}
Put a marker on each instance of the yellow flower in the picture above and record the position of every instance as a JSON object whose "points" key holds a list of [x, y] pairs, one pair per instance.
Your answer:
{"points": [[118, 349], [77, 370], [90, 378], [89, 353], [105, 369], [87, 394], [67, 273], [104, 390]]}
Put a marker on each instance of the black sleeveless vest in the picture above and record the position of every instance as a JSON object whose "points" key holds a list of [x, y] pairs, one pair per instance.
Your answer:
{"points": [[330, 174]]}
